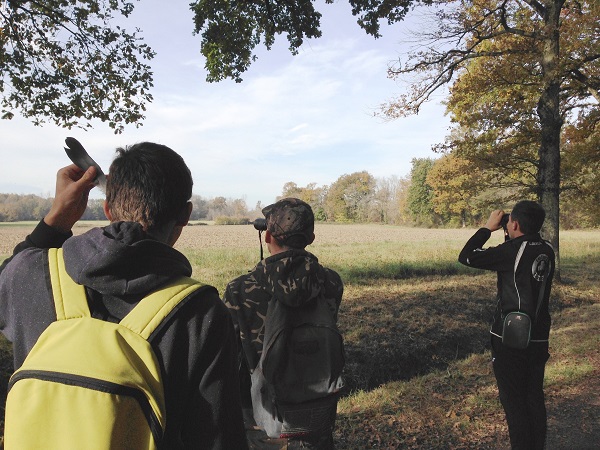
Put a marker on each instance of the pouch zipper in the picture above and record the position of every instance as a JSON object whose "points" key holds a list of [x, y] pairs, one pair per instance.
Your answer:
{"points": [[97, 385]]}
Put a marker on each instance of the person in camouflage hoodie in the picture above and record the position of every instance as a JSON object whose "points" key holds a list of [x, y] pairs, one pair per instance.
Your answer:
{"points": [[292, 276]]}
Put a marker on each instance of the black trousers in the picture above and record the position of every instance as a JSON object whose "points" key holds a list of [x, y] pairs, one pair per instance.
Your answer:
{"points": [[520, 379]]}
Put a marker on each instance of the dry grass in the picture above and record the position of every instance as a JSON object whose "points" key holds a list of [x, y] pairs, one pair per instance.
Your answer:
{"points": [[415, 324]]}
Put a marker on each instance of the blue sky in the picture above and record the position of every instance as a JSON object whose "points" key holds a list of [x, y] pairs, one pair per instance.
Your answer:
{"points": [[307, 118]]}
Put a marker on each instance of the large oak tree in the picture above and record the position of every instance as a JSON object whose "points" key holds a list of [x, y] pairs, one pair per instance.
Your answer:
{"points": [[519, 70]]}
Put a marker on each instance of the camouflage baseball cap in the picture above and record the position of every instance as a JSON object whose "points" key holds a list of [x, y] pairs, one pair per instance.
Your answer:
{"points": [[291, 221]]}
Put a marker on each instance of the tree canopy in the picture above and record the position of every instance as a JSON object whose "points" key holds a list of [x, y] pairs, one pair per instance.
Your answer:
{"points": [[66, 62], [231, 30]]}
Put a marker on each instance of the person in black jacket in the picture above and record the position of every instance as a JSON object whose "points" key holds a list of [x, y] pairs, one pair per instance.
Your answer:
{"points": [[147, 203], [525, 267]]}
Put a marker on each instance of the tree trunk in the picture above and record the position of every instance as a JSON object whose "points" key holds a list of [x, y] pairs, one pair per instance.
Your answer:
{"points": [[551, 123]]}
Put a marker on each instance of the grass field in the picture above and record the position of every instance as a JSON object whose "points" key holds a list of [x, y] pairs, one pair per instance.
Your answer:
{"points": [[415, 324]]}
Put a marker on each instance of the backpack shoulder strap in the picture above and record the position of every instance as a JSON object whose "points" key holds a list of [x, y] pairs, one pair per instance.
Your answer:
{"points": [[545, 274], [70, 300], [149, 313]]}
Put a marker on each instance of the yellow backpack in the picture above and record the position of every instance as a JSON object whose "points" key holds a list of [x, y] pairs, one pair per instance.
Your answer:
{"points": [[88, 383]]}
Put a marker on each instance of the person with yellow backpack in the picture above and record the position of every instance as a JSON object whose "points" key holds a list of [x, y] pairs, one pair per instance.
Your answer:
{"points": [[115, 346]]}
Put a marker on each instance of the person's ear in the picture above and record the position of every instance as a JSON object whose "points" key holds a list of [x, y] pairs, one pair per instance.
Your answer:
{"points": [[268, 237], [107, 211], [311, 240], [184, 215]]}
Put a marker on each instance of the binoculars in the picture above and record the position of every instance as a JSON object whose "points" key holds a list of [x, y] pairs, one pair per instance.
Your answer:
{"points": [[260, 224], [503, 223]]}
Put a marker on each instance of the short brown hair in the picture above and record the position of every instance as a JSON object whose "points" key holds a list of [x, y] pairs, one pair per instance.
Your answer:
{"points": [[530, 215], [148, 183]]}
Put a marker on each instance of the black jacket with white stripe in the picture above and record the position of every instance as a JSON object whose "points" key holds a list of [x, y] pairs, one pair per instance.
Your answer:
{"points": [[520, 264]]}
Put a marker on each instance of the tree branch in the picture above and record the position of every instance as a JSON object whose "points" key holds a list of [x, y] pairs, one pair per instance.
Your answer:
{"points": [[584, 80], [537, 6], [510, 29]]}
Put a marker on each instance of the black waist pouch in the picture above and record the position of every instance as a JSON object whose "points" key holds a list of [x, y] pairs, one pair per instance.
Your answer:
{"points": [[516, 330]]}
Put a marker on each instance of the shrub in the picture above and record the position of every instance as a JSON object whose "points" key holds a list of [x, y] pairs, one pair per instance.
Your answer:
{"points": [[225, 220]]}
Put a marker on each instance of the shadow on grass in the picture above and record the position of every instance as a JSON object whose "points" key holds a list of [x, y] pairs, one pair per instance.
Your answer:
{"points": [[423, 317], [398, 330], [401, 270], [573, 417], [457, 408]]}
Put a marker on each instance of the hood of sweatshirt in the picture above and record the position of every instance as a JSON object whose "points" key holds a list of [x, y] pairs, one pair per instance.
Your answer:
{"points": [[121, 260], [294, 277]]}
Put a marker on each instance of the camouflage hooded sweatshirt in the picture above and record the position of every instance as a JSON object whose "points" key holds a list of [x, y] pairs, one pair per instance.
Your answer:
{"points": [[293, 277]]}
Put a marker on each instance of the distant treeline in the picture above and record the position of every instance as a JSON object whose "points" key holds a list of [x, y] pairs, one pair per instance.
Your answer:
{"points": [[430, 196], [16, 208]]}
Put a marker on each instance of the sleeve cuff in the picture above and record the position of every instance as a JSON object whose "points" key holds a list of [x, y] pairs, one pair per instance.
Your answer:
{"points": [[44, 236]]}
